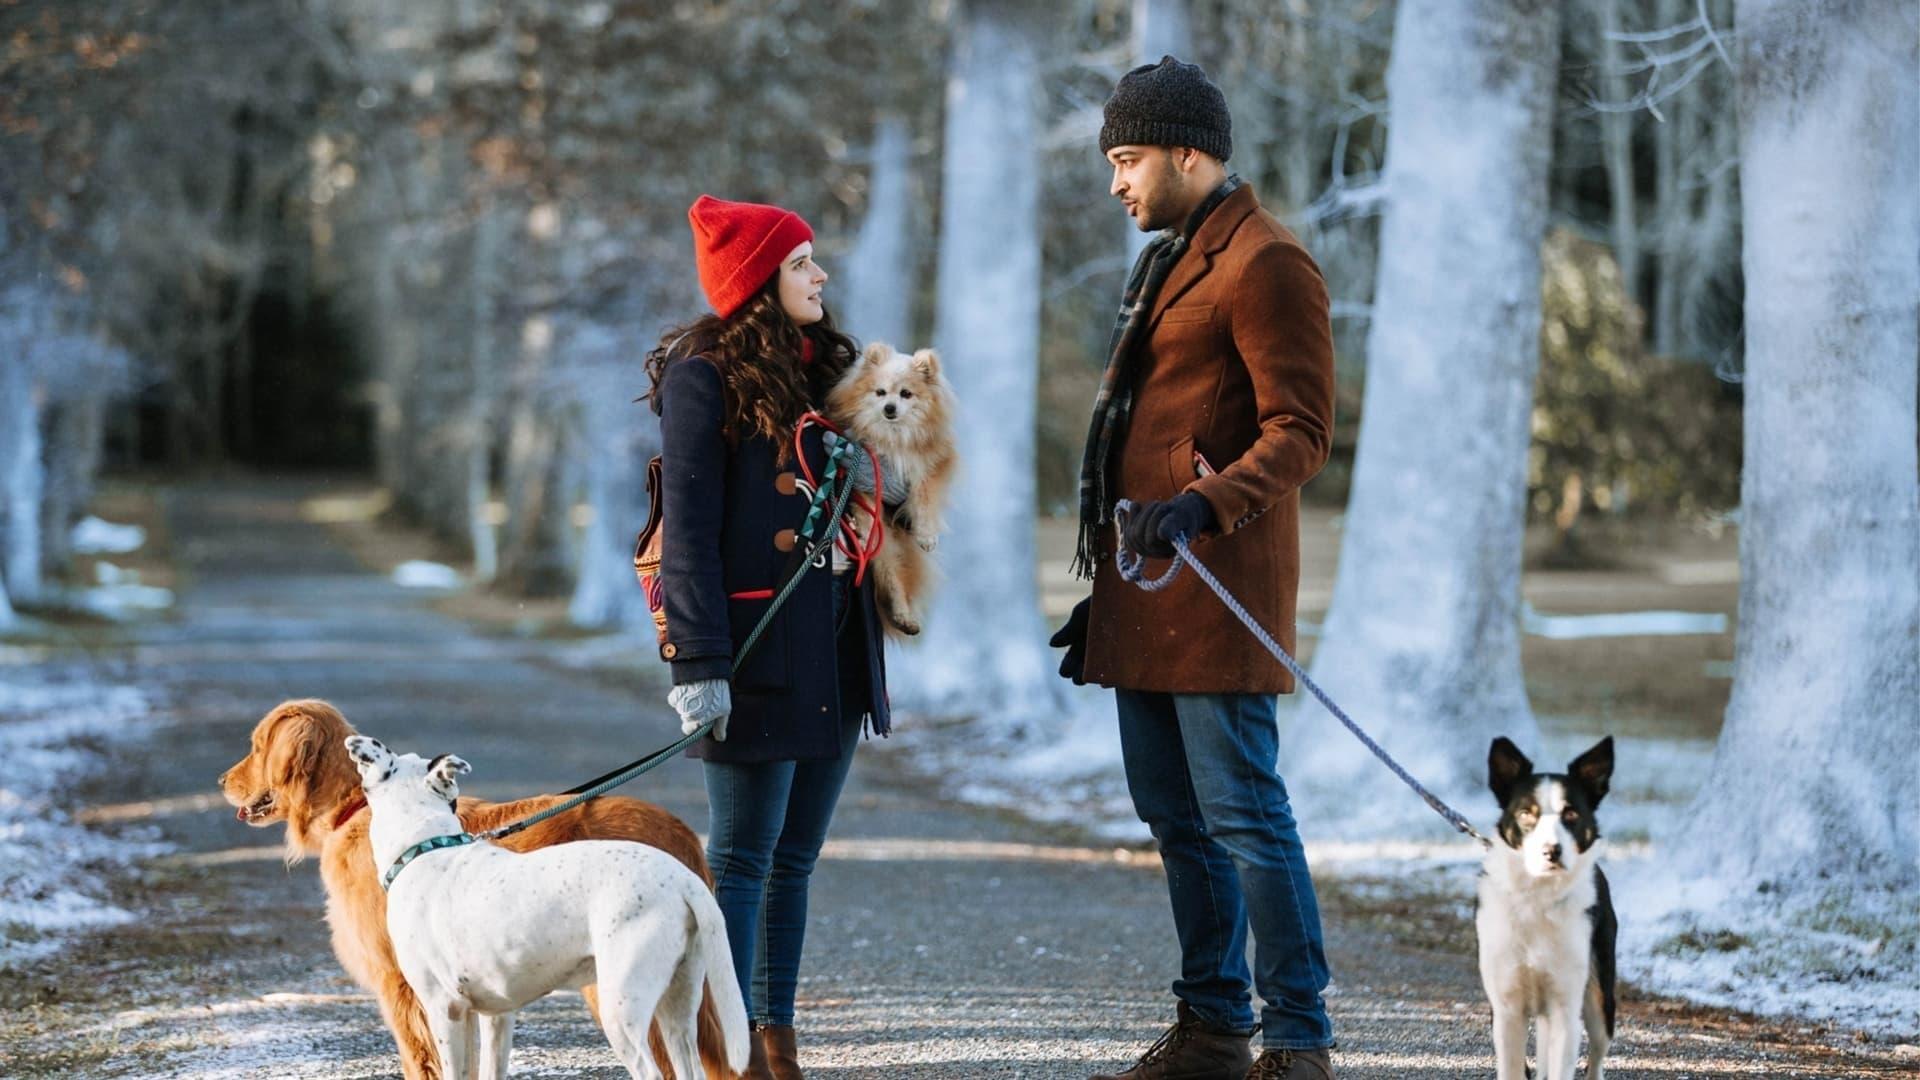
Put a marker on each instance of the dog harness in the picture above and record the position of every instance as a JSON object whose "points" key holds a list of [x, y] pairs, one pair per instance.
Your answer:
{"points": [[433, 843]]}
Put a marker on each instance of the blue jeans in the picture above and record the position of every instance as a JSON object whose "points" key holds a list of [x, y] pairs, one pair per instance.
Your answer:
{"points": [[767, 823], [1201, 769]]}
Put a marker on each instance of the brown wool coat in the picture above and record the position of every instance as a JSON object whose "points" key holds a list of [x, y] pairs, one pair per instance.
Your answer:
{"points": [[1237, 367]]}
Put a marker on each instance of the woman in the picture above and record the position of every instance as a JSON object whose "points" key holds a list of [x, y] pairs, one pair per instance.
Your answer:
{"points": [[730, 388]]}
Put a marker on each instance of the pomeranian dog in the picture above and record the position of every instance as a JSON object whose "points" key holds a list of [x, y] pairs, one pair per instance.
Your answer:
{"points": [[901, 408]]}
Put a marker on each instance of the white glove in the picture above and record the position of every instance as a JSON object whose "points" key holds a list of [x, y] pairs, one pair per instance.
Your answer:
{"points": [[860, 468], [699, 702]]}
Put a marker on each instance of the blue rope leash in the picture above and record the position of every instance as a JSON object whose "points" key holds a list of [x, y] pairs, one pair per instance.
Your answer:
{"points": [[1132, 568], [814, 557]]}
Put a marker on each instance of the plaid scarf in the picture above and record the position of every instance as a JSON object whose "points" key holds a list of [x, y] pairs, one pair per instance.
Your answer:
{"points": [[1113, 405]]}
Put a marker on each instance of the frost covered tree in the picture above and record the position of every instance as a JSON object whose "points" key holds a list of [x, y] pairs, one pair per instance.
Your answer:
{"points": [[985, 650], [1827, 663], [1422, 640], [24, 318], [880, 278], [1160, 28]]}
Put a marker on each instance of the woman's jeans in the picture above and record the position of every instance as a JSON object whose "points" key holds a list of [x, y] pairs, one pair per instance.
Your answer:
{"points": [[767, 823], [1201, 768]]}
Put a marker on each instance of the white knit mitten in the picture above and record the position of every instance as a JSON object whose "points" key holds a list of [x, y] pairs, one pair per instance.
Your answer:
{"points": [[701, 701], [860, 468]]}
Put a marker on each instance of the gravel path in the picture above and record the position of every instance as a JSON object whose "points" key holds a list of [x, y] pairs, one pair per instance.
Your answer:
{"points": [[946, 941]]}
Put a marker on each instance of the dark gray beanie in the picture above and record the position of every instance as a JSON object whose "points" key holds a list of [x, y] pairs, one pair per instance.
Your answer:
{"points": [[1168, 104]]}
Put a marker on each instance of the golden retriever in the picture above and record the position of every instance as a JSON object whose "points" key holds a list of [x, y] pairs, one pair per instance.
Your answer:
{"points": [[298, 772]]}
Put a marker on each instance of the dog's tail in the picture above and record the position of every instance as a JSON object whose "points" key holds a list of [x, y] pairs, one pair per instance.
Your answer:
{"points": [[723, 986]]}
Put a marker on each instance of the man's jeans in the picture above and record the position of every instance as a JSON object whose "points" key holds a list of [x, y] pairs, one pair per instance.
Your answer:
{"points": [[1201, 768]]}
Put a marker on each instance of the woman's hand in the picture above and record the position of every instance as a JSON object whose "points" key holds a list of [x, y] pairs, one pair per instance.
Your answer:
{"points": [[701, 701]]}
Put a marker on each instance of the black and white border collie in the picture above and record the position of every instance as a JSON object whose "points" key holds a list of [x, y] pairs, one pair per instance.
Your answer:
{"points": [[1545, 918]]}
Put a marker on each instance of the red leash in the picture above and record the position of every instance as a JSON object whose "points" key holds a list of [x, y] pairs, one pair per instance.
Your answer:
{"points": [[861, 549]]}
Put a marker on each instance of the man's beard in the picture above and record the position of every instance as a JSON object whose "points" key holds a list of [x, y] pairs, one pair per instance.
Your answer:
{"points": [[1156, 215]]}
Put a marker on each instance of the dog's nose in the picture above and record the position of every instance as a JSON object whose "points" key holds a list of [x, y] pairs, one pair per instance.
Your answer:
{"points": [[1553, 853], [891, 410]]}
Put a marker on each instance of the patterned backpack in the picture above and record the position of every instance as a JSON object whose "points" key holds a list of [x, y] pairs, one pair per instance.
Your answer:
{"points": [[646, 554]]}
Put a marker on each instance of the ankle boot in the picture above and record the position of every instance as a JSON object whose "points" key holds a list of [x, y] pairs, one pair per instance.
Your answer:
{"points": [[756, 1055], [1190, 1051], [783, 1057], [1292, 1065]]}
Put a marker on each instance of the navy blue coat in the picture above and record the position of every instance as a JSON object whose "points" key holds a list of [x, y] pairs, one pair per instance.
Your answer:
{"points": [[729, 517]]}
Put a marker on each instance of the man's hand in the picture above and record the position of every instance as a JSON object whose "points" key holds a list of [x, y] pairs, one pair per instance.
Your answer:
{"points": [[1152, 528], [699, 702], [1073, 638]]}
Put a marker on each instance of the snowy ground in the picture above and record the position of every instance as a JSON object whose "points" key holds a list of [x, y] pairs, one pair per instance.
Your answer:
{"points": [[57, 724], [1850, 961], [1854, 965], [945, 941]]}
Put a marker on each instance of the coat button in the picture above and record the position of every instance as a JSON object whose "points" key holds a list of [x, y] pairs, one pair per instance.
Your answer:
{"points": [[669, 651], [783, 540], [786, 484]]}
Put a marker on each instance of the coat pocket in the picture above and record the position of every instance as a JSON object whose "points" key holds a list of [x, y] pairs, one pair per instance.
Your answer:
{"points": [[767, 667], [1181, 469], [1187, 313]]}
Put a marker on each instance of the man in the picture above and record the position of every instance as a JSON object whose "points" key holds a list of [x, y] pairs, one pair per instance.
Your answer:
{"points": [[1216, 406]]}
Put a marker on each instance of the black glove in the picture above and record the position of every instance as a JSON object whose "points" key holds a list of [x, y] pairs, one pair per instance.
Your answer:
{"points": [[1073, 638], [1151, 529]]}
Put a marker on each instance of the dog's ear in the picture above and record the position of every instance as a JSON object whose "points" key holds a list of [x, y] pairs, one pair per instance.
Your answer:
{"points": [[874, 353], [926, 362], [368, 755], [442, 774], [1593, 770], [1506, 768]]}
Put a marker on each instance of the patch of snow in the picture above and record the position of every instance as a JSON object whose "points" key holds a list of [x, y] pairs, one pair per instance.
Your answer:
{"points": [[92, 536], [105, 573], [120, 601], [1622, 624], [52, 869], [420, 574], [1855, 965], [1850, 957]]}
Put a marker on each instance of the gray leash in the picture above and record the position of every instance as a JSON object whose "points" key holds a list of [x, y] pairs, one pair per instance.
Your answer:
{"points": [[814, 557], [1132, 568]]}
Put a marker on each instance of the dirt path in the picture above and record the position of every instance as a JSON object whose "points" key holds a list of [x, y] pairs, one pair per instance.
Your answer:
{"points": [[946, 942]]}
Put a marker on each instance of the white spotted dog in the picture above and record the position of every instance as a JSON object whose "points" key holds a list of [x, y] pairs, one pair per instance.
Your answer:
{"points": [[1545, 918], [480, 931]]}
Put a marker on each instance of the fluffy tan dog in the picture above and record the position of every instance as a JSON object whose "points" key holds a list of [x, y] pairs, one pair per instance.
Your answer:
{"points": [[901, 408], [298, 772]]}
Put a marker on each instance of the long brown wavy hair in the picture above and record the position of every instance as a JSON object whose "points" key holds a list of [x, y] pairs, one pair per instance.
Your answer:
{"points": [[757, 352]]}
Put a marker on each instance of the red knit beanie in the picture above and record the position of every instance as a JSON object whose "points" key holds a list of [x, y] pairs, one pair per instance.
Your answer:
{"points": [[739, 245]]}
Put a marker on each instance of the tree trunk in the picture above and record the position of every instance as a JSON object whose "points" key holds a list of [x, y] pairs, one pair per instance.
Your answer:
{"points": [[73, 434], [880, 269], [1827, 665], [487, 285], [1160, 28], [984, 649], [611, 444], [1616, 133], [1422, 642], [23, 478], [534, 553], [1670, 209]]}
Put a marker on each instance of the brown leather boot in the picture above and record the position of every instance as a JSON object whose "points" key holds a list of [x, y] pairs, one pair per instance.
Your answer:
{"points": [[783, 1057], [757, 1067], [1292, 1065], [1189, 1051]]}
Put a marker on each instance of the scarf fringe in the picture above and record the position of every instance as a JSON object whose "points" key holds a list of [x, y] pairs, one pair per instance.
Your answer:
{"points": [[1084, 553]]}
